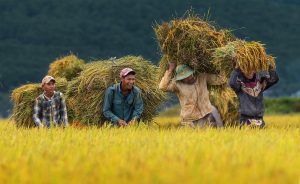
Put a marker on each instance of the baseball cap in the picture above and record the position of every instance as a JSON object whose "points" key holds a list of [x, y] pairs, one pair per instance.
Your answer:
{"points": [[47, 79], [124, 72]]}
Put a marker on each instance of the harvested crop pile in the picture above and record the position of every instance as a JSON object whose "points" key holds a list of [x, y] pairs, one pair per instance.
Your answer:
{"points": [[85, 93]]}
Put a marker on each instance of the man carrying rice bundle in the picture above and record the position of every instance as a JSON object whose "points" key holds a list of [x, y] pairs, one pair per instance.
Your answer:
{"points": [[123, 104], [196, 109], [50, 107]]}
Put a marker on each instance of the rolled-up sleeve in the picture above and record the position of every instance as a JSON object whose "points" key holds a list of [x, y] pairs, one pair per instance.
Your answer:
{"points": [[213, 79], [167, 84]]}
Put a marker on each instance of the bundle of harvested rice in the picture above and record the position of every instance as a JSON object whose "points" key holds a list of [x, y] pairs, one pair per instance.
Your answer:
{"points": [[248, 56], [225, 100], [191, 41], [67, 67], [85, 94], [163, 67], [23, 99]]}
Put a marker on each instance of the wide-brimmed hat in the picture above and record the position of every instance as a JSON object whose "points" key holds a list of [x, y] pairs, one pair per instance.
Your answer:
{"points": [[182, 72]]}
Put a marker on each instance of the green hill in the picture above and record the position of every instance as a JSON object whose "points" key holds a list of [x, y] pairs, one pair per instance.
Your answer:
{"points": [[35, 32]]}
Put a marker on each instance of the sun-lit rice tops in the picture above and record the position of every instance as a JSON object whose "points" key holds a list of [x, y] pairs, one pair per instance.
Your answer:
{"points": [[67, 67], [248, 56], [190, 40]]}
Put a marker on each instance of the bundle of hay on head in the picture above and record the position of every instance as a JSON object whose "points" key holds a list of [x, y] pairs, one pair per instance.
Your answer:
{"points": [[67, 67], [248, 56], [86, 93], [190, 41], [23, 101], [225, 100]]}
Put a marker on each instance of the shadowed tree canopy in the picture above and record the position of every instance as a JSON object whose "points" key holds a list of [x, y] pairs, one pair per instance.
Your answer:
{"points": [[33, 33]]}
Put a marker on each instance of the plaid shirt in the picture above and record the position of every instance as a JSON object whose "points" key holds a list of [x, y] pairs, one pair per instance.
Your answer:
{"points": [[50, 111]]}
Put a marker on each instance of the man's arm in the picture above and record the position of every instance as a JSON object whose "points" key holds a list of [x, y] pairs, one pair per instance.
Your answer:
{"points": [[107, 105], [234, 82], [273, 79], [36, 111], [213, 79], [63, 111], [166, 83], [138, 106]]}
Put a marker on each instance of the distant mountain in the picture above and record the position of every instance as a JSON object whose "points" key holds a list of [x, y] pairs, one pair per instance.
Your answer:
{"points": [[35, 32]]}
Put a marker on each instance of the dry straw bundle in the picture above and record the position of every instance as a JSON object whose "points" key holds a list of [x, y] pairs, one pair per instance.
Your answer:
{"points": [[85, 93], [191, 41], [248, 56], [67, 67], [23, 99], [225, 100]]}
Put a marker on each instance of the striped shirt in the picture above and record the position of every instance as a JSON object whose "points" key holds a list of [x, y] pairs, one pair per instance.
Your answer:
{"points": [[50, 111]]}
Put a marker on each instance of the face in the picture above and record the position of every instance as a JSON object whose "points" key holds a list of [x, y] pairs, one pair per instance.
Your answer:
{"points": [[189, 80], [128, 82], [49, 87]]}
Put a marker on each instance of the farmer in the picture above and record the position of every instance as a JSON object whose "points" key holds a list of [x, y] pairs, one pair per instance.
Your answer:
{"points": [[196, 109], [249, 87], [50, 107], [123, 103]]}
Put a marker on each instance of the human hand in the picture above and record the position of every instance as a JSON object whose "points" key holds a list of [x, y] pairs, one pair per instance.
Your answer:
{"points": [[172, 66], [122, 122]]}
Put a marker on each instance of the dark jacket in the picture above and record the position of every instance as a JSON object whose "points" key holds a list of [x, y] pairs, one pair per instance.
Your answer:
{"points": [[250, 92]]}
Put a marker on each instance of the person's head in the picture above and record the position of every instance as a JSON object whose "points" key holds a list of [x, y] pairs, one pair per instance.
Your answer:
{"points": [[48, 84], [127, 76], [184, 74], [248, 74]]}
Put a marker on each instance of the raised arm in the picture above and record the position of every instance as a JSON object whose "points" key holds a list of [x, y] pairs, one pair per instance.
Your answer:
{"points": [[213, 79], [273, 79], [234, 82], [166, 83]]}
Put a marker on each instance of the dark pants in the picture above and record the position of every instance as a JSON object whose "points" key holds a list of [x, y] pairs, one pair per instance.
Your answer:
{"points": [[255, 122]]}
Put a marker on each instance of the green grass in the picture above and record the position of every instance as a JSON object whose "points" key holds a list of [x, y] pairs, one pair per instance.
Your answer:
{"points": [[152, 154]]}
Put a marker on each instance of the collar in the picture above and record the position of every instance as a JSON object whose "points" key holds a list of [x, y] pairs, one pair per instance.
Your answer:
{"points": [[47, 98]]}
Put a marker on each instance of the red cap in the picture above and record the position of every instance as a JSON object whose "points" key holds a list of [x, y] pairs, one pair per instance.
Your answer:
{"points": [[124, 72]]}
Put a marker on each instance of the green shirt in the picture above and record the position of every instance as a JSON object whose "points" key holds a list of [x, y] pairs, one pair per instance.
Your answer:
{"points": [[117, 106]]}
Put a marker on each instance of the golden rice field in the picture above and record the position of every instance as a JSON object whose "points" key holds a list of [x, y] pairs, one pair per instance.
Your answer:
{"points": [[161, 153]]}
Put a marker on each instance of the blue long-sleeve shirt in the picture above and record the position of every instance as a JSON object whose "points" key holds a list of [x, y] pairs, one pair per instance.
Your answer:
{"points": [[117, 106]]}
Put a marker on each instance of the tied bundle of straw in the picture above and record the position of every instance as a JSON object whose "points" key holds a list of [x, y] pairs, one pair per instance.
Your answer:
{"points": [[225, 100], [248, 56], [23, 99], [191, 41], [67, 67], [85, 93]]}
